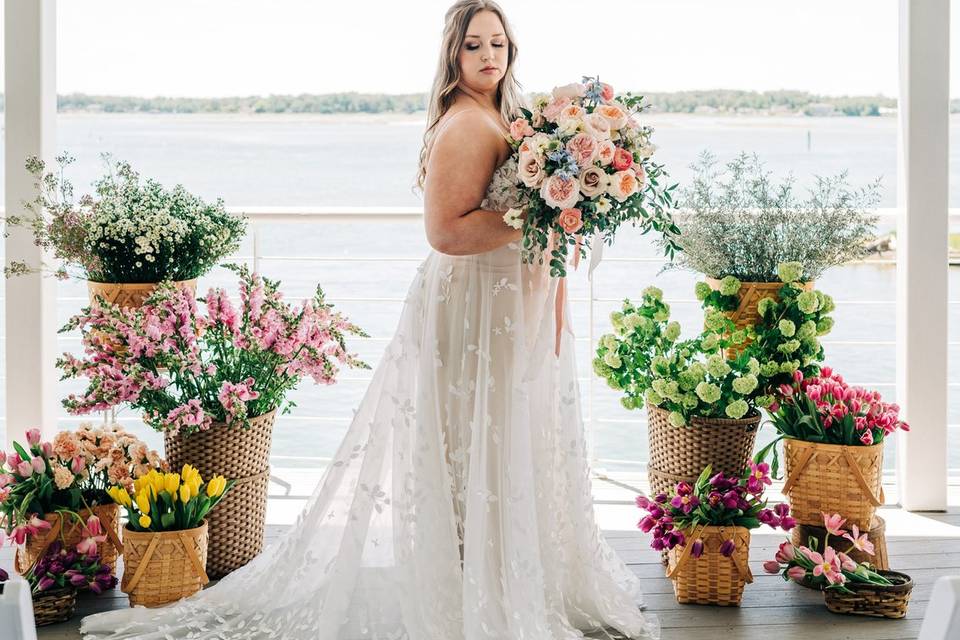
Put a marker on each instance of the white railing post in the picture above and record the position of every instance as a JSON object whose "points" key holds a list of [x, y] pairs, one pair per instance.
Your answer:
{"points": [[30, 31], [922, 228]]}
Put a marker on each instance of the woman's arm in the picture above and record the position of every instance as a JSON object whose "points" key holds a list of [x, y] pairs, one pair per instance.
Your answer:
{"points": [[462, 161]]}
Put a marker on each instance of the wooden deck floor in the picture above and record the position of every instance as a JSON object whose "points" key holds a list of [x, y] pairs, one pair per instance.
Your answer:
{"points": [[925, 546]]}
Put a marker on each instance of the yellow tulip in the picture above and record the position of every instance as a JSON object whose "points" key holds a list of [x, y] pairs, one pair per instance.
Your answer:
{"points": [[215, 486], [171, 482], [145, 521], [143, 502], [158, 484], [184, 493], [195, 486]]}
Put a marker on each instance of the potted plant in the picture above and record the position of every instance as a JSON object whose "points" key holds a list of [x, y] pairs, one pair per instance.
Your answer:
{"points": [[165, 540], [57, 490], [740, 223], [849, 586], [212, 383], [705, 528], [129, 235], [833, 436]]}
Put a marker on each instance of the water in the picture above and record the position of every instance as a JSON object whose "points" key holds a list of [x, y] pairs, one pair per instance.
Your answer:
{"points": [[353, 161]]}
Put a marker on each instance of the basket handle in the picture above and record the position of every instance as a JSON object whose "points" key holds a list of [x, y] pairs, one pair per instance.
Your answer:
{"points": [[114, 540], [858, 476], [194, 560], [135, 580], [742, 567], [797, 470], [686, 553]]}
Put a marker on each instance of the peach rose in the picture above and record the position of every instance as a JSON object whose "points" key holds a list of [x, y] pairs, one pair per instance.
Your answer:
{"points": [[613, 114], [593, 181], [571, 220], [520, 129], [622, 159], [605, 152], [623, 184], [583, 148], [572, 111], [570, 91], [530, 169], [552, 111], [606, 92], [560, 193], [597, 126]]}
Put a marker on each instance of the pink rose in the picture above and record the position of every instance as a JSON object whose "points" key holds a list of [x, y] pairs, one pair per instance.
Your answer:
{"points": [[623, 184], [570, 91], [571, 112], [560, 193], [606, 92], [553, 110], [605, 152], [530, 169], [597, 126], [593, 181], [520, 129], [583, 148], [622, 159], [571, 220]]}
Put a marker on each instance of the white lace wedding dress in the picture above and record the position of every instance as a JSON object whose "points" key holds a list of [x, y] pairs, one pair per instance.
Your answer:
{"points": [[458, 506]]}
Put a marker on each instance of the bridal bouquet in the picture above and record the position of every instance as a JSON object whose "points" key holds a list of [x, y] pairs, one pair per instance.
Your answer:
{"points": [[584, 163]]}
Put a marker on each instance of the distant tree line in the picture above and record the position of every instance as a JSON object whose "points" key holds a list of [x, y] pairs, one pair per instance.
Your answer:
{"points": [[724, 101]]}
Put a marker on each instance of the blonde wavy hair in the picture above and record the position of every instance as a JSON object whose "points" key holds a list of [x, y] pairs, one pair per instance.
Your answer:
{"points": [[508, 99]]}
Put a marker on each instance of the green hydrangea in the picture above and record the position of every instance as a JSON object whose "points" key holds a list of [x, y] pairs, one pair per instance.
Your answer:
{"points": [[699, 370], [600, 368], [672, 390], [612, 360], [807, 330], [729, 286], [710, 342], [787, 328], [676, 419], [717, 366], [824, 325], [702, 290], [689, 401], [645, 326], [738, 337], [789, 366], [659, 385], [616, 318], [790, 271], [737, 409], [789, 346], [653, 398], [828, 305], [653, 293], [714, 320], [672, 332], [769, 369], [808, 302], [708, 392], [765, 305], [660, 365], [688, 380], [631, 321], [628, 402], [609, 341], [745, 384], [753, 366]]}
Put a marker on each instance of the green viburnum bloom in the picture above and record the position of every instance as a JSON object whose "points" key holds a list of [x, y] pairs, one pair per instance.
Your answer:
{"points": [[790, 366], [609, 341], [810, 345], [824, 326], [612, 360], [672, 390], [714, 320], [698, 369], [710, 342], [653, 293], [790, 271], [787, 328], [827, 305], [737, 409], [702, 290], [765, 305], [616, 317], [738, 337], [660, 365], [631, 321], [614, 384], [676, 419], [663, 314], [789, 346], [769, 369], [807, 330], [689, 401], [600, 368], [753, 366], [764, 401], [717, 366], [745, 384], [708, 392], [646, 325], [659, 385], [729, 286], [653, 398], [672, 332], [688, 380], [808, 302], [628, 402]]}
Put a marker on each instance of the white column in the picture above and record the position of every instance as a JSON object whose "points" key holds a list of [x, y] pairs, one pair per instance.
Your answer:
{"points": [[922, 252], [30, 31]]}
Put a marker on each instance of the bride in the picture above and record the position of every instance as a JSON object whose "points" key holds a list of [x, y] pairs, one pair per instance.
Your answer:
{"points": [[458, 506]]}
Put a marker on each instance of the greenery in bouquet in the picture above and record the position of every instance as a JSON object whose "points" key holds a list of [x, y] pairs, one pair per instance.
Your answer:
{"points": [[186, 369], [646, 359], [170, 501], [740, 223], [785, 339], [129, 231], [584, 168], [830, 569], [67, 475], [714, 500]]}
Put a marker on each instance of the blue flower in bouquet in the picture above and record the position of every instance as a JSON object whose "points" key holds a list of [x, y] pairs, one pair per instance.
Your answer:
{"points": [[568, 167]]}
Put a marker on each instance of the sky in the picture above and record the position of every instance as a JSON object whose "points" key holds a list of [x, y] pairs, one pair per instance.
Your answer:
{"points": [[245, 47]]}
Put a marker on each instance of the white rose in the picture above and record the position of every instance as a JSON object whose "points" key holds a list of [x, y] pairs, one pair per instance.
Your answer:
{"points": [[570, 91], [593, 181], [647, 150], [569, 126], [605, 152], [535, 144], [597, 126], [530, 169], [559, 193], [623, 184]]}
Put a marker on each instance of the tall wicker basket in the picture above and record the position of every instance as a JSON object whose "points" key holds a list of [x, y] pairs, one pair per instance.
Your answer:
{"points": [[833, 478], [712, 578], [236, 524], [681, 453], [130, 294], [163, 567], [72, 533]]}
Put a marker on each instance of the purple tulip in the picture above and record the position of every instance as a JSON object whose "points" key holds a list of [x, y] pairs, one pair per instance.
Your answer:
{"points": [[4, 576], [787, 523], [658, 544], [731, 500], [643, 502], [55, 548], [70, 558], [660, 498], [674, 538], [782, 509], [696, 550], [45, 583], [727, 548], [78, 579], [56, 567], [647, 524], [656, 512], [95, 587]]}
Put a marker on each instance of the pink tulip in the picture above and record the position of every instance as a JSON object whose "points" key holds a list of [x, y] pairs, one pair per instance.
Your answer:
{"points": [[77, 464], [796, 573], [771, 566], [38, 464], [867, 437], [5, 479], [846, 562], [25, 469], [19, 535], [33, 436], [859, 541], [3, 457], [46, 449], [785, 553], [93, 526], [38, 524], [833, 524]]}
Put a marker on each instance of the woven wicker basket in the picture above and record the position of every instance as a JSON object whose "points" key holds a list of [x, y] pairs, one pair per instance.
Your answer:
{"points": [[56, 605], [802, 533], [130, 294], [833, 478], [72, 530], [236, 523], [163, 567], [750, 295], [681, 453], [873, 600], [712, 578]]}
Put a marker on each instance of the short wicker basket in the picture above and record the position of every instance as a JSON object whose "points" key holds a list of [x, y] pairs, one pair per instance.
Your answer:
{"points": [[72, 533], [236, 524], [712, 578], [56, 605], [873, 600], [681, 453], [163, 567], [833, 478]]}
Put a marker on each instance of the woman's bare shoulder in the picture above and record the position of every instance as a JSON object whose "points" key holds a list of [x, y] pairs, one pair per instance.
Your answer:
{"points": [[470, 129]]}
